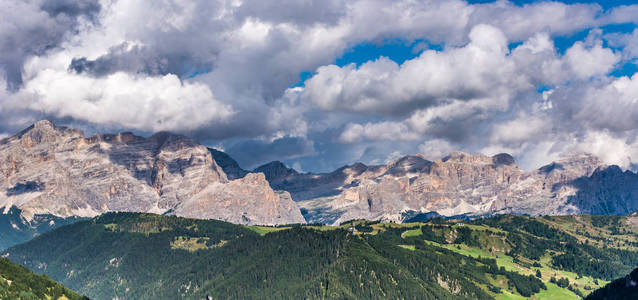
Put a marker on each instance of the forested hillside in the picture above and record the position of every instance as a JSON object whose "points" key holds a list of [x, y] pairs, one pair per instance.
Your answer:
{"points": [[145, 256], [625, 288], [17, 282]]}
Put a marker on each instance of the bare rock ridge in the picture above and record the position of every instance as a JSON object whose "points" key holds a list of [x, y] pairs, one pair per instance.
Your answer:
{"points": [[460, 183], [228, 164], [58, 171], [276, 171]]}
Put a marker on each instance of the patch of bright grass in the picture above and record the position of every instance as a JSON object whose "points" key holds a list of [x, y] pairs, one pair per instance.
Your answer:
{"points": [[263, 230], [411, 233], [409, 247], [555, 292]]}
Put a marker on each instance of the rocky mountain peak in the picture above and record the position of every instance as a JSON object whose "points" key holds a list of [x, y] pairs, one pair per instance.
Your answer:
{"points": [[408, 164], [356, 168], [466, 158], [503, 159], [55, 170], [228, 164], [44, 124], [603, 172], [255, 178], [580, 159], [572, 166], [275, 171], [40, 132]]}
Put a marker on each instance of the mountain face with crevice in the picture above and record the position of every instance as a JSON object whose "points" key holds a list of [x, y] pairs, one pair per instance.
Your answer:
{"points": [[459, 183], [50, 170]]}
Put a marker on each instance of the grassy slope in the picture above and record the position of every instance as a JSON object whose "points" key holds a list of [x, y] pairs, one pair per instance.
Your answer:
{"points": [[613, 231]]}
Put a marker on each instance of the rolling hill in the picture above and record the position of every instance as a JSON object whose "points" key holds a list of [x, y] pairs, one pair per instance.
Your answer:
{"points": [[146, 256]]}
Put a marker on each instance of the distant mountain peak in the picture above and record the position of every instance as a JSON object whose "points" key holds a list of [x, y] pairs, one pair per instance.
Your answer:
{"points": [[503, 159], [43, 124], [408, 164], [467, 158], [577, 163], [228, 164], [580, 158], [275, 170]]}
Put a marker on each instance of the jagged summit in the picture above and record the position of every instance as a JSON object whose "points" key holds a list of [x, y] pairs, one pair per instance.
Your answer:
{"points": [[463, 183], [46, 169], [276, 170], [503, 159], [460, 183], [462, 157], [228, 164], [43, 124], [56, 170], [408, 164]]}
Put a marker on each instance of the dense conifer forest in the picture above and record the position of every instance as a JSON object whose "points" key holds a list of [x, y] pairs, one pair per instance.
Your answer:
{"points": [[624, 288], [146, 256]]}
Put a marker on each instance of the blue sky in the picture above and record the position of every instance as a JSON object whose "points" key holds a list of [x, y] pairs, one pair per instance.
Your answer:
{"points": [[320, 84]]}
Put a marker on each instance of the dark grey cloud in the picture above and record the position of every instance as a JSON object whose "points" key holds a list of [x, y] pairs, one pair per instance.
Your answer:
{"points": [[141, 60], [252, 153], [72, 8], [33, 27]]}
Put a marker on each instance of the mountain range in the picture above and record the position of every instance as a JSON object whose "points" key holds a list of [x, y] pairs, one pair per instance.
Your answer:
{"points": [[458, 184], [53, 175]]}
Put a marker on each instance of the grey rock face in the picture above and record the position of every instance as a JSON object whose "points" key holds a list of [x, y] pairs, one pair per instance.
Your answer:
{"points": [[228, 164], [460, 183], [55, 170], [276, 171], [463, 184], [248, 200]]}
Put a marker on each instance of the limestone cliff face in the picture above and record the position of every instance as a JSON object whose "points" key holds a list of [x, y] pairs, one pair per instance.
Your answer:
{"points": [[248, 200], [460, 183], [55, 170]]}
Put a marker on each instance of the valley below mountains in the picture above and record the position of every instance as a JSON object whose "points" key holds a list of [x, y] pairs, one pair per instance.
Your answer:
{"points": [[119, 216]]}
